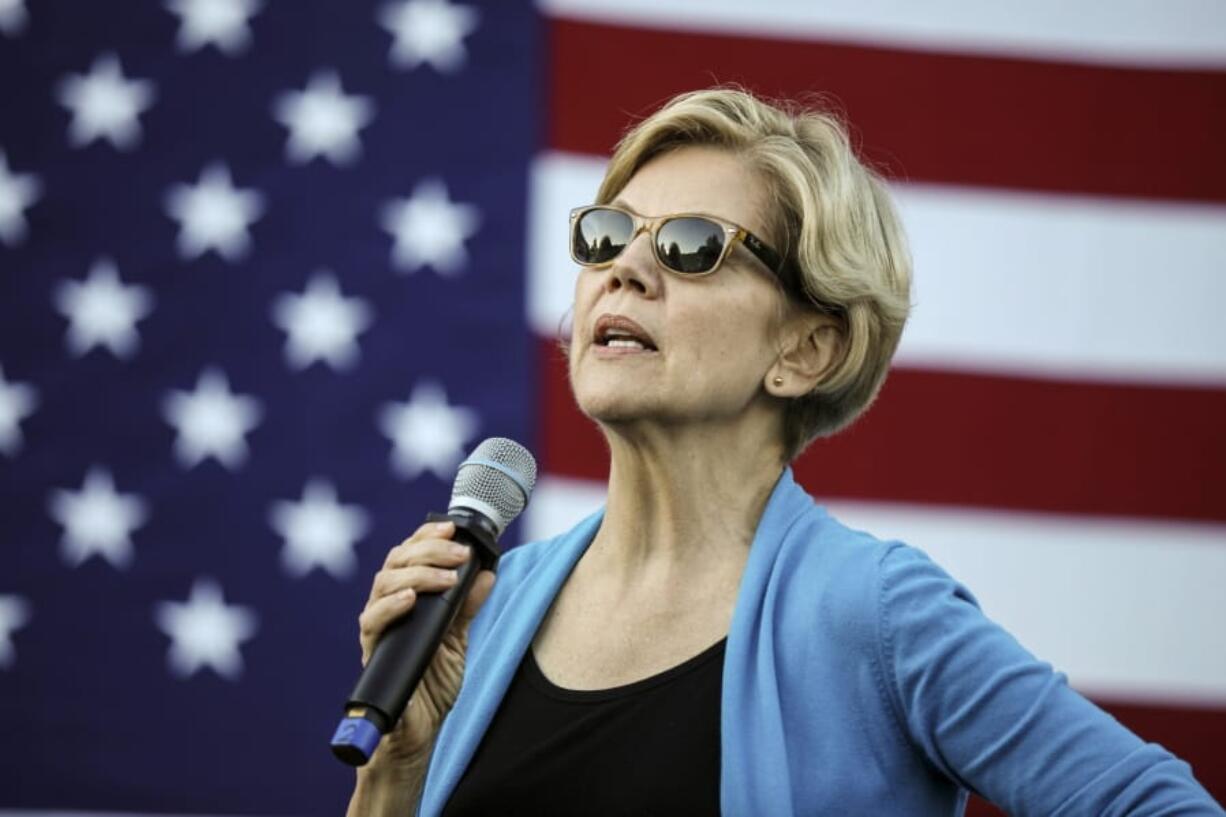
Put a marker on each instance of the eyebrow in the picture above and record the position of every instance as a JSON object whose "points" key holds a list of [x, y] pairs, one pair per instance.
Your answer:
{"points": [[620, 202]]}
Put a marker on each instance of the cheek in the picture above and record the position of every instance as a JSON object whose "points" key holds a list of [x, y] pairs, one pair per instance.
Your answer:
{"points": [[728, 345], [586, 293]]}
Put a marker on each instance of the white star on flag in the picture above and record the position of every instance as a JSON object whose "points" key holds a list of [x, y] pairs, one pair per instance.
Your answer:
{"points": [[17, 401], [17, 192], [105, 105], [320, 324], [318, 531], [14, 613], [205, 631], [97, 520], [323, 121], [211, 421], [214, 215], [426, 432], [13, 17], [430, 31], [429, 229], [101, 311], [222, 23]]}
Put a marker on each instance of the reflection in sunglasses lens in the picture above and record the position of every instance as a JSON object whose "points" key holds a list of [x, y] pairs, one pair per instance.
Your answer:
{"points": [[600, 235], [690, 244]]}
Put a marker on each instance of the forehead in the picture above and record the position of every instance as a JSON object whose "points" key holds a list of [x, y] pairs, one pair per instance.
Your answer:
{"points": [[698, 180]]}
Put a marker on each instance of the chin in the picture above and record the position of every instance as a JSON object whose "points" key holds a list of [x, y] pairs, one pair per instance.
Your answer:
{"points": [[611, 406], [612, 395]]}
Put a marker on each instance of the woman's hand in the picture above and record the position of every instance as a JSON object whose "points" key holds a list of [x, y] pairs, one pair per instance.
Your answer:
{"points": [[423, 563]]}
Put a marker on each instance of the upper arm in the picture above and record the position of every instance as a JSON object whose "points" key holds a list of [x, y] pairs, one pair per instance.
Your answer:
{"points": [[1002, 723]]}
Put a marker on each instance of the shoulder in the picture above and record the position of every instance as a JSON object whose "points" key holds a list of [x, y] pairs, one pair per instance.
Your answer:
{"points": [[821, 544], [827, 559], [826, 573], [800, 542]]}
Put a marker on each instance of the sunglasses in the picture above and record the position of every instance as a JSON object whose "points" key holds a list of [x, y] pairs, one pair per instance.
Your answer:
{"points": [[686, 243]]}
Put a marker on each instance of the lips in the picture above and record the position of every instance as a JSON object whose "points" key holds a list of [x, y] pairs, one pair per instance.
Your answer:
{"points": [[618, 331]]}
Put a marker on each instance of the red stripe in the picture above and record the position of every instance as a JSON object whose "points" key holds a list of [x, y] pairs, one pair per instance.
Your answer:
{"points": [[1193, 735], [1000, 442], [922, 116]]}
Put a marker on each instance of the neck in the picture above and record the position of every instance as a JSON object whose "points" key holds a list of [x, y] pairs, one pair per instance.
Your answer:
{"points": [[684, 498]]}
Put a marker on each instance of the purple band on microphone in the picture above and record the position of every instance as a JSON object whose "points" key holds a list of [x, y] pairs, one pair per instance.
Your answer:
{"points": [[358, 734]]}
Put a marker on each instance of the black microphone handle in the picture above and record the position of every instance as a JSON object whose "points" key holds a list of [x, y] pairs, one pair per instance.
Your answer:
{"points": [[408, 644], [407, 647]]}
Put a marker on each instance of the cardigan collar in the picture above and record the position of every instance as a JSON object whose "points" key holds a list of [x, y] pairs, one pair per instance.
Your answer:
{"points": [[491, 668]]}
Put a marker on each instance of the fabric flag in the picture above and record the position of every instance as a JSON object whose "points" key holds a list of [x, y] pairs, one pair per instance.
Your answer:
{"points": [[269, 269], [261, 288]]}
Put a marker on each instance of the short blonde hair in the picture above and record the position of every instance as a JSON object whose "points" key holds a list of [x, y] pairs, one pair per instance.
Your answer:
{"points": [[832, 220]]}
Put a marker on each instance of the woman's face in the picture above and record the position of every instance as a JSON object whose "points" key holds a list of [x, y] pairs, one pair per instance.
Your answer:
{"points": [[714, 336]]}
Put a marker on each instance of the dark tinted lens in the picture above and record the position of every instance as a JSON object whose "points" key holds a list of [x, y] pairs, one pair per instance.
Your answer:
{"points": [[599, 235], [690, 244]]}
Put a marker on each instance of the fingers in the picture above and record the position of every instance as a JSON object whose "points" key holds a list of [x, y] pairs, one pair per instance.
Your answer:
{"points": [[400, 590], [430, 546], [428, 552], [400, 594], [430, 538], [420, 578], [378, 614], [426, 562]]}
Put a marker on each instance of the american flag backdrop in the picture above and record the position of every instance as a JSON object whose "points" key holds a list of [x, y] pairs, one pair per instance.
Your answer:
{"points": [[268, 268]]}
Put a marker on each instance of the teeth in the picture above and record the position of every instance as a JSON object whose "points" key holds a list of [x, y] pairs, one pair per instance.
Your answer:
{"points": [[624, 343]]}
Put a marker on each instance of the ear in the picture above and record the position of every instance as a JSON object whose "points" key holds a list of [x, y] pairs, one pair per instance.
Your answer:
{"points": [[812, 345]]}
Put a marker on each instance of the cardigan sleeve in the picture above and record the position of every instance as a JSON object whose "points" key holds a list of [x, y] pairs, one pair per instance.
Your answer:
{"points": [[1000, 722]]}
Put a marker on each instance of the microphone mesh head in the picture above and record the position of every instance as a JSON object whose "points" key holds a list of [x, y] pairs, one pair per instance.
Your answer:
{"points": [[498, 476]]}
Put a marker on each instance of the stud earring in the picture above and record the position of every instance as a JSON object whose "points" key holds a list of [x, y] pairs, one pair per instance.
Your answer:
{"points": [[778, 381]]}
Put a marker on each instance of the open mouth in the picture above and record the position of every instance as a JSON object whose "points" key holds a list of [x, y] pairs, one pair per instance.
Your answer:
{"points": [[618, 332]]}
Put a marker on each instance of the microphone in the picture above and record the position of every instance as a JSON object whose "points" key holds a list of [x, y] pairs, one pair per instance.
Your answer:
{"points": [[491, 488]]}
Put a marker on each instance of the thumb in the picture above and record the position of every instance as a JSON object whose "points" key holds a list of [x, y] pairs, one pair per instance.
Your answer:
{"points": [[477, 596]]}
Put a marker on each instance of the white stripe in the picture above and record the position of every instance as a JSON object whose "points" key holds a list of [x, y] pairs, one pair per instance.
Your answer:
{"points": [[1045, 285], [1130, 609], [558, 504], [557, 182], [1174, 33], [1066, 286]]}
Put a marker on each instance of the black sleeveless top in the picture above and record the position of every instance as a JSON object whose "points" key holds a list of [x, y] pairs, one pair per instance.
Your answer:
{"points": [[647, 748]]}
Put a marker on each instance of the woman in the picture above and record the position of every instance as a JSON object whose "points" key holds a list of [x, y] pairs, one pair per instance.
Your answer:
{"points": [[713, 641]]}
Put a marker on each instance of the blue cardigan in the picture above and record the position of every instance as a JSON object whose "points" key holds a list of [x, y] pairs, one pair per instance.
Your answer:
{"points": [[859, 678]]}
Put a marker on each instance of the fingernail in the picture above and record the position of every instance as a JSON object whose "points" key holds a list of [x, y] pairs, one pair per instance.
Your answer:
{"points": [[459, 550], [442, 527], [449, 575], [405, 594]]}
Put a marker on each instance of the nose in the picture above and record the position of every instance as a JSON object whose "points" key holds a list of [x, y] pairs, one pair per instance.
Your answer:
{"points": [[635, 268]]}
